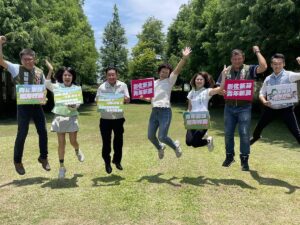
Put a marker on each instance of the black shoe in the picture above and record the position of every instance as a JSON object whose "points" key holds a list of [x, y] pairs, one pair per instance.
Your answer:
{"points": [[45, 164], [229, 160], [108, 168], [244, 162], [253, 140], [19, 168], [119, 166]]}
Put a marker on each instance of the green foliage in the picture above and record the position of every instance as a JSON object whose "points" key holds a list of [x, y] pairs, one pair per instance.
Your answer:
{"points": [[113, 51], [214, 27], [55, 29]]}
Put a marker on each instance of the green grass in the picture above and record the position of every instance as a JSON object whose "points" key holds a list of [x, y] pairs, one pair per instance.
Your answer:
{"points": [[194, 189]]}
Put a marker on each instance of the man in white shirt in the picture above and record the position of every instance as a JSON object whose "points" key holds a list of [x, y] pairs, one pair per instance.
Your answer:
{"points": [[285, 111], [112, 121]]}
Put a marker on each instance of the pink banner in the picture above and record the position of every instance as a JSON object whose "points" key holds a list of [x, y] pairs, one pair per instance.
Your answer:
{"points": [[142, 87], [239, 89]]}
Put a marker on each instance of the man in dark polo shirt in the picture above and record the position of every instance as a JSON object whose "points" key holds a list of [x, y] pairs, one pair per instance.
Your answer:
{"points": [[238, 112]]}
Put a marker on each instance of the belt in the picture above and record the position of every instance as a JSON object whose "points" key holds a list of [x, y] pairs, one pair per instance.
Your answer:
{"points": [[237, 102]]}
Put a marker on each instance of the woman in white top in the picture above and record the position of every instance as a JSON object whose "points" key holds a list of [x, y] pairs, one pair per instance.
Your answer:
{"points": [[161, 114], [65, 120], [198, 99]]}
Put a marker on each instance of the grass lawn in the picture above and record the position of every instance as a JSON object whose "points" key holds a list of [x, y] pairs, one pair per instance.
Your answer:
{"points": [[194, 189]]}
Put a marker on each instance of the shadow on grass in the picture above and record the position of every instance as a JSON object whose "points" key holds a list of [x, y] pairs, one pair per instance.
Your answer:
{"points": [[158, 180], [273, 182], [201, 181], [63, 183], [107, 181], [26, 182]]}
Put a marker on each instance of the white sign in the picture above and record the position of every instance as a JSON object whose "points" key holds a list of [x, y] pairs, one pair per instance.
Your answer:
{"points": [[282, 94]]}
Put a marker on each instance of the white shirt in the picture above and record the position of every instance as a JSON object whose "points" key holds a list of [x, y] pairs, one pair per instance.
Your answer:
{"points": [[162, 91], [119, 88], [199, 99]]}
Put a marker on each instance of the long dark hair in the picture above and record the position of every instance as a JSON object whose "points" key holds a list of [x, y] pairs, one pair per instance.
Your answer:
{"points": [[208, 80], [59, 74]]}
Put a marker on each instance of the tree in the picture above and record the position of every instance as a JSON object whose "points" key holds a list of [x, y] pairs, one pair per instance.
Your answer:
{"points": [[113, 51]]}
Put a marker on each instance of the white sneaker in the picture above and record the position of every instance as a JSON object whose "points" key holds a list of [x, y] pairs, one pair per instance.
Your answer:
{"points": [[62, 173], [210, 143], [205, 135], [161, 151], [80, 156], [178, 151]]}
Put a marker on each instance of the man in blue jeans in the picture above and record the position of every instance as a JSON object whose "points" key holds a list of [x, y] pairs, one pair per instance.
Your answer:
{"points": [[238, 112], [27, 73]]}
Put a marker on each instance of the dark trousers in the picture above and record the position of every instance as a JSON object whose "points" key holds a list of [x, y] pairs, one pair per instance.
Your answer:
{"points": [[24, 115], [106, 128], [286, 114], [194, 138]]}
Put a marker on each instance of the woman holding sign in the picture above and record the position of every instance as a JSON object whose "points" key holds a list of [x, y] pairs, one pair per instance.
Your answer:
{"points": [[66, 113], [198, 99]]}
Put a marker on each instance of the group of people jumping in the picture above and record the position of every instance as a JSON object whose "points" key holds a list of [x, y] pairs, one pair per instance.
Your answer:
{"points": [[236, 112]]}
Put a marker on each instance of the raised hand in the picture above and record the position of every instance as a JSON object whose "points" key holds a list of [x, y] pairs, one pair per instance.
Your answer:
{"points": [[255, 49], [298, 60], [186, 52], [2, 40]]}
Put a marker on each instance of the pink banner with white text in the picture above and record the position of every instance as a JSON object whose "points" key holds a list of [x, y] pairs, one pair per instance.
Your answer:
{"points": [[142, 87], [239, 89]]}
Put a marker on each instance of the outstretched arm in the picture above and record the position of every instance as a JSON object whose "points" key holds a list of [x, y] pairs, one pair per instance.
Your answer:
{"points": [[2, 62], [220, 89], [262, 67], [185, 54]]}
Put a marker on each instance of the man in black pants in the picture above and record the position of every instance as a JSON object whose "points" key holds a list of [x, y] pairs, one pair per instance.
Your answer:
{"points": [[27, 73], [112, 121], [286, 111]]}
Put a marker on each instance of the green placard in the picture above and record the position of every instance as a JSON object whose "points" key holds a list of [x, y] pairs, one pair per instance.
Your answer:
{"points": [[30, 94], [68, 96], [196, 120], [110, 102]]}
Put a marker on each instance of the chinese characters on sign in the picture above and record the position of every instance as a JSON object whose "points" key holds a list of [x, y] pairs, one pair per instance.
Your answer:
{"points": [[68, 96], [142, 87], [30, 94], [110, 102], [282, 94], [196, 120], [239, 89]]}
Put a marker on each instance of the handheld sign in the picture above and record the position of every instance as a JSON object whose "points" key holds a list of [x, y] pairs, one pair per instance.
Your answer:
{"points": [[110, 102], [239, 89], [68, 96], [196, 120], [30, 94], [142, 87], [282, 94]]}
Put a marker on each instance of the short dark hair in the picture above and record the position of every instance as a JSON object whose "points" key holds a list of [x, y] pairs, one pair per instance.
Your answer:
{"points": [[164, 66], [209, 82], [59, 74], [237, 52], [111, 68], [278, 56], [27, 51]]}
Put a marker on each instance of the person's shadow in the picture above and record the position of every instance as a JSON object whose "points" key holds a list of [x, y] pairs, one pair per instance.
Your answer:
{"points": [[26, 182], [273, 182], [63, 183], [201, 181], [158, 180], [107, 181]]}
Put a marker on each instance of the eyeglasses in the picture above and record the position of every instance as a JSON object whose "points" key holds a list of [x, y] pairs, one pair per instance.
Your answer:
{"points": [[28, 59]]}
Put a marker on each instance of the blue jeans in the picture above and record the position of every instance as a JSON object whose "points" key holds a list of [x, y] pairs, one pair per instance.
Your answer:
{"points": [[24, 115], [240, 115], [160, 118]]}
